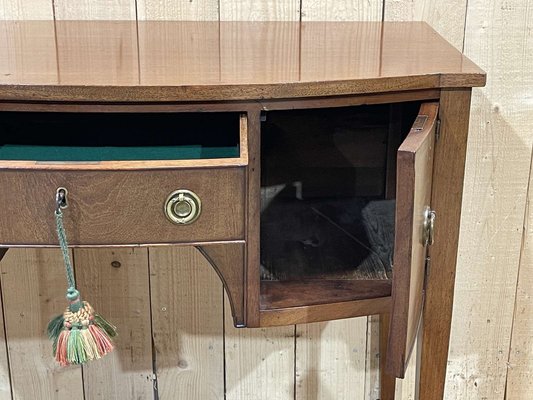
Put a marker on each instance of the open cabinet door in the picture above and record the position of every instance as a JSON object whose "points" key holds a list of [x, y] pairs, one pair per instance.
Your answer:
{"points": [[413, 199]]}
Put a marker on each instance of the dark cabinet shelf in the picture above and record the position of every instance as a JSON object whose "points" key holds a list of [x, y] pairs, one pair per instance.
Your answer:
{"points": [[286, 294]]}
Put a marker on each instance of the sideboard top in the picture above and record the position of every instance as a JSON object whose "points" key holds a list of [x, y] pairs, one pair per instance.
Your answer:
{"points": [[129, 61]]}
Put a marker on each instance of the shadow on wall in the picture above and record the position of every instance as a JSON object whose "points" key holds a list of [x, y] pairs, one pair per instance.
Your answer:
{"points": [[174, 323], [496, 179]]}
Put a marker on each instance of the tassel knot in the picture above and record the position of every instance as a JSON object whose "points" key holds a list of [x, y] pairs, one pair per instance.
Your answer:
{"points": [[80, 336]]}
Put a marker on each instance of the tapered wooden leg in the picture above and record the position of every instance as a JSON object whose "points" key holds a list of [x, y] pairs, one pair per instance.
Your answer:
{"points": [[3, 253], [448, 172], [388, 383]]}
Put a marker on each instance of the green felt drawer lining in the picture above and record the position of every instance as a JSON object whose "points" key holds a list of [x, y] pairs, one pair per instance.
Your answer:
{"points": [[69, 153]]}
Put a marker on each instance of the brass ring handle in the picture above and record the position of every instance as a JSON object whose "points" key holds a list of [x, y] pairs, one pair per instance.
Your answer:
{"points": [[183, 207]]}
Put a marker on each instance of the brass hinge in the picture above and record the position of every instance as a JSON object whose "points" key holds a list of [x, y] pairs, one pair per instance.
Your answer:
{"points": [[437, 131], [428, 227]]}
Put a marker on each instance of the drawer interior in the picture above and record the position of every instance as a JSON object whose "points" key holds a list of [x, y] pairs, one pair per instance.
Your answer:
{"points": [[94, 137], [328, 179]]}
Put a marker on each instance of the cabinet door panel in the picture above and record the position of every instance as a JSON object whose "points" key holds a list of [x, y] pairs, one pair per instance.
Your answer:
{"points": [[413, 196]]}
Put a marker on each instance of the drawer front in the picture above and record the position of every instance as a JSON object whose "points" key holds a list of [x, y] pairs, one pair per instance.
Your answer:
{"points": [[119, 207]]}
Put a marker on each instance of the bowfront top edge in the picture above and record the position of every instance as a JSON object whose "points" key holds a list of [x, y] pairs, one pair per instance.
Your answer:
{"points": [[161, 61]]}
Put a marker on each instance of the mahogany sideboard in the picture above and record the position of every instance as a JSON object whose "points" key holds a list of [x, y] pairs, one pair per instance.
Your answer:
{"points": [[317, 166]]}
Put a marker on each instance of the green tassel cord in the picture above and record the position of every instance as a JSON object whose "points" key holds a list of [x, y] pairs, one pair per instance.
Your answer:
{"points": [[79, 334]]}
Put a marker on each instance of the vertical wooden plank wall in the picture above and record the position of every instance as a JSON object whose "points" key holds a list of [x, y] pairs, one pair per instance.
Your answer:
{"points": [[95, 9], [22, 9], [171, 10], [33, 292], [265, 10], [345, 10], [498, 37], [188, 325], [447, 18], [115, 282], [520, 375], [259, 363], [205, 357], [331, 360]]}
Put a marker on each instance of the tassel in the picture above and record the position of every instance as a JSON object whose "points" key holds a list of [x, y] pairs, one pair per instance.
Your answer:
{"points": [[83, 335], [54, 330], [61, 352], [106, 326], [103, 343], [75, 351], [79, 334], [89, 345]]}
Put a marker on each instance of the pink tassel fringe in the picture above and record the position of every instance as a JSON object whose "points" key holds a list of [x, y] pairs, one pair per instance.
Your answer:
{"points": [[61, 352], [103, 343]]}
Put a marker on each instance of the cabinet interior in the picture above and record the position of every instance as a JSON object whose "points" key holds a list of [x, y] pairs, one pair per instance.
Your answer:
{"points": [[73, 136], [328, 180]]}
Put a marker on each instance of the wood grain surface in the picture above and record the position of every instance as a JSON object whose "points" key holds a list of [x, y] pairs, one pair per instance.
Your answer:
{"points": [[76, 43], [324, 312], [349, 10], [186, 299], [253, 220], [413, 195], [26, 10], [201, 10], [229, 263], [99, 61], [266, 10], [33, 292], [387, 380], [255, 359], [373, 358], [95, 10], [115, 282], [520, 375], [107, 207], [331, 360], [285, 294], [20, 66], [446, 196], [436, 13], [162, 45]]}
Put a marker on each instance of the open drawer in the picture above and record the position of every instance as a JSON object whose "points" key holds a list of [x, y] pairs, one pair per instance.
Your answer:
{"points": [[142, 178], [346, 217]]}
